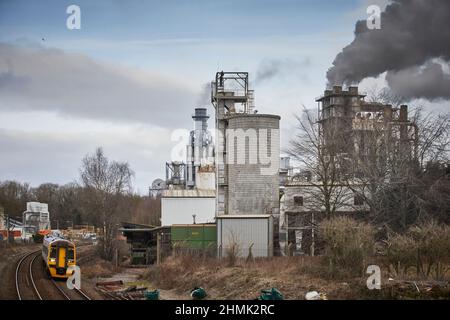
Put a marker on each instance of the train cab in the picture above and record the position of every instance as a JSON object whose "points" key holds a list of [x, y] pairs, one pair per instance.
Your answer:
{"points": [[58, 255]]}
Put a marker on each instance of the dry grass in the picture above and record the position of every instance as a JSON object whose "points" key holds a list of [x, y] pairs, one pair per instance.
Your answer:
{"points": [[293, 276], [97, 267], [424, 248]]}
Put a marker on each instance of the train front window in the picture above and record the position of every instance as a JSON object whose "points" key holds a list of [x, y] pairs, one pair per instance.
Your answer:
{"points": [[53, 253], [70, 254]]}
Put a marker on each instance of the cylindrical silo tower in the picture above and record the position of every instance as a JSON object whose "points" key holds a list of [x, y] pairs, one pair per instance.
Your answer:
{"points": [[253, 161], [247, 160]]}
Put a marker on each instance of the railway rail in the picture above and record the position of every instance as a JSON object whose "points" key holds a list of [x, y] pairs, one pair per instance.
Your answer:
{"points": [[69, 294], [31, 283], [24, 277]]}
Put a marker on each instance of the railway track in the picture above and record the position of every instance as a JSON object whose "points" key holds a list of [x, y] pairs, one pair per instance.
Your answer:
{"points": [[69, 294], [25, 284], [33, 284]]}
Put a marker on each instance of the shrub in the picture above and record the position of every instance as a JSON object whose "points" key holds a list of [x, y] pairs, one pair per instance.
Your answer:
{"points": [[348, 243], [425, 246], [401, 252]]}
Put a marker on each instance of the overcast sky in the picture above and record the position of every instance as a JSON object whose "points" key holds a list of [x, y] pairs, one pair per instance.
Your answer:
{"points": [[136, 70]]}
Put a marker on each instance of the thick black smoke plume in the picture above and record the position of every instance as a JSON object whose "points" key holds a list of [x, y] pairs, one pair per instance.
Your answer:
{"points": [[412, 34]]}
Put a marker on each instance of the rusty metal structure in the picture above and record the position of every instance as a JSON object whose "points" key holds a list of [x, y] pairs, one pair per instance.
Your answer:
{"points": [[362, 139], [357, 132]]}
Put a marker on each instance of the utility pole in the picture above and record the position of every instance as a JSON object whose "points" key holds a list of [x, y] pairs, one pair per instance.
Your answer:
{"points": [[7, 229]]}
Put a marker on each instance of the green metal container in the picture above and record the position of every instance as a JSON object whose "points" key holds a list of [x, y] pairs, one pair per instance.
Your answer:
{"points": [[198, 293], [272, 294], [152, 295], [194, 236]]}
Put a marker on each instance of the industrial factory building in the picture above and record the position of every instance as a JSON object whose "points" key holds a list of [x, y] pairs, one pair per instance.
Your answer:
{"points": [[232, 187], [247, 168], [9, 228], [189, 191], [245, 235], [301, 210], [187, 206], [36, 219], [233, 183], [357, 131], [251, 184], [247, 149], [359, 137]]}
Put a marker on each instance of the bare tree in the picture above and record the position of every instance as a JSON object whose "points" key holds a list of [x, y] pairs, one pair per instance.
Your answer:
{"points": [[146, 210], [434, 137], [13, 197], [106, 183], [312, 151], [395, 178]]}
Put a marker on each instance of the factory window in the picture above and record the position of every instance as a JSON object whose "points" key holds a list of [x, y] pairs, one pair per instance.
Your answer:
{"points": [[298, 200], [358, 200]]}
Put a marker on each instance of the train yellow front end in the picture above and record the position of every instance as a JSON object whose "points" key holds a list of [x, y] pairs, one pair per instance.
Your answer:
{"points": [[58, 255]]}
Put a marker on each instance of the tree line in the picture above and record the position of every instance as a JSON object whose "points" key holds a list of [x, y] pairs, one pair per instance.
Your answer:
{"points": [[102, 196]]}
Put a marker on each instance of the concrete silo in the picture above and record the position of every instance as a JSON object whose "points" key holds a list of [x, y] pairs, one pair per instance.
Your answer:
{"points": [[253, 163], [247, 168]]}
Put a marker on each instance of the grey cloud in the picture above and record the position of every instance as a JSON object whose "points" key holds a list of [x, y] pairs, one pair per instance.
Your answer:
{"points": [[37, 157], [271, 68], [38, 78], [429, 82], [412, 32]]}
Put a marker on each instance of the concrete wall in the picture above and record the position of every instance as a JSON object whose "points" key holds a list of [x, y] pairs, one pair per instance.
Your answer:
{"points": [[180, 210], [205, 180], [311, 199], [253, 187], [245, 231]]}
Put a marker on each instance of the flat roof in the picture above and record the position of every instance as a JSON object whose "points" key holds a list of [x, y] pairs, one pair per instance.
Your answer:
{"points": [[140, 229], [244, 216], [132, 225], [195, 225], [189, 193], [254, 115]]}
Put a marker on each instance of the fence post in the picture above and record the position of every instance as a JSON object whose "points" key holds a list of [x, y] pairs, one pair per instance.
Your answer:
{"points": [[117, 258], [158, 248], [312, 235]]}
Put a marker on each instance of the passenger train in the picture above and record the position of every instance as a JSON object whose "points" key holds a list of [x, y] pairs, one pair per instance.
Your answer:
{"points": [[58, 254]]}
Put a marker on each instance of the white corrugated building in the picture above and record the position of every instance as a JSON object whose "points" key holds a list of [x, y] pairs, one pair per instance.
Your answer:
{"points": [[179, 206], [244, 232]]}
